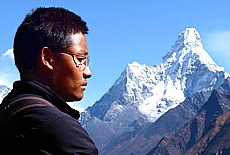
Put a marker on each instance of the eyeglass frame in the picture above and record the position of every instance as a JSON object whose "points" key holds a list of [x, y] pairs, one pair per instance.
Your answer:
{"points": [[75, 56]]}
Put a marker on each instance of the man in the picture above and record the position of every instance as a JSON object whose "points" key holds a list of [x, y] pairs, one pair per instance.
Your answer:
{"points": [[51, 55]]}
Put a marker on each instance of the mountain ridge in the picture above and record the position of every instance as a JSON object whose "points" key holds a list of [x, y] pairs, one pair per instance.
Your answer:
{"points": [[196, 135]]}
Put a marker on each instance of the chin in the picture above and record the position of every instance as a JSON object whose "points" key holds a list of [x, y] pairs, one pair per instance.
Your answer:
{"points": [[75, 98]]}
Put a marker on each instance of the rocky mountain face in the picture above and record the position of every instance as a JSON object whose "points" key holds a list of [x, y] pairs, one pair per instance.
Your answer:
{"points": [[216, 141], [140, 98], [208, 133], [147, 136]]}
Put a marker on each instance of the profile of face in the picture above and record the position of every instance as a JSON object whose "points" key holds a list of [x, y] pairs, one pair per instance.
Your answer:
{"points": [[71, 70]]}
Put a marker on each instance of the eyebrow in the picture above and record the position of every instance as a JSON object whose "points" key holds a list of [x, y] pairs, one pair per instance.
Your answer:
{"points": [[83, 51], [80, 52]]}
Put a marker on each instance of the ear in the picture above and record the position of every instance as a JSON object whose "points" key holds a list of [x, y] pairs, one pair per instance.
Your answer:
{"points": [[46, 57]]}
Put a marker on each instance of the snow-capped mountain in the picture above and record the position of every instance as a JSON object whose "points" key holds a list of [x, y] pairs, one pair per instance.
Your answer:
{"points": [[149, 91], [143, 93], [3, 92]]}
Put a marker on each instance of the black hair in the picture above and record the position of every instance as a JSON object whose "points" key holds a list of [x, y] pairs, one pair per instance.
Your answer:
{"points": [[50, 27]]}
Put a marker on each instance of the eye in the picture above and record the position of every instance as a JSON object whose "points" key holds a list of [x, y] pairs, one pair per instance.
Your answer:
{"points": [[81, 59]]}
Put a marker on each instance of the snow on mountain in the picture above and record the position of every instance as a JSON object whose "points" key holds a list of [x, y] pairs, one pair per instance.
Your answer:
{"points": [[189, 39], [146, 92], [3, 92]]}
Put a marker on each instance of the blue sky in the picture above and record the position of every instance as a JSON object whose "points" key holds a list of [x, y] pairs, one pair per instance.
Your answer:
{"points": [[123, 31]]}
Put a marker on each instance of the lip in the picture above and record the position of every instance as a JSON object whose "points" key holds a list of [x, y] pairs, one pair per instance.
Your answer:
{"points": [[84, 85]]}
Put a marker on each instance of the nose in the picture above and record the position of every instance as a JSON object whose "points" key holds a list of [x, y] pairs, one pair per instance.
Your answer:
{"points": [[87, 72]]}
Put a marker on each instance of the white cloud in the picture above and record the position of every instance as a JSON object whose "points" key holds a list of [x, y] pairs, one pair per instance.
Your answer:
{"points": [[9, 53], [8, 70]]}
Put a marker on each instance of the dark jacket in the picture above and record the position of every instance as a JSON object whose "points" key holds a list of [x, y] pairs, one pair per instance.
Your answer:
{"points": [[44, 130]]}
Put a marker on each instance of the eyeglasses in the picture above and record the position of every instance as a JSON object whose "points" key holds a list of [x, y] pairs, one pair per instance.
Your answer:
{"points": [[81, 61]]}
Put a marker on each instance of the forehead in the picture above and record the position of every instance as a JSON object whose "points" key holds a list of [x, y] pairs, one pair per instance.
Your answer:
{"points": [[79, 45]]}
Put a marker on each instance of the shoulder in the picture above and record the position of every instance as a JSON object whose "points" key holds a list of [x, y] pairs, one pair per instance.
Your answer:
{"points": [[47, 129], [61, 132]]}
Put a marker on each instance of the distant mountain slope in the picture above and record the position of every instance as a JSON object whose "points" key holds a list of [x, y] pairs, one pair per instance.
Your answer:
{"points": [[206, 133], [144, 93]]}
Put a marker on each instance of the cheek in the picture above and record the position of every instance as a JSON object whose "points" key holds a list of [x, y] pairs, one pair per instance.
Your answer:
{"points": [[70, 76], [67, 74]]}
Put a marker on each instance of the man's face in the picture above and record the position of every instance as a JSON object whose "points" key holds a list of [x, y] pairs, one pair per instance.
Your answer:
{"points": [[69, 78]]}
